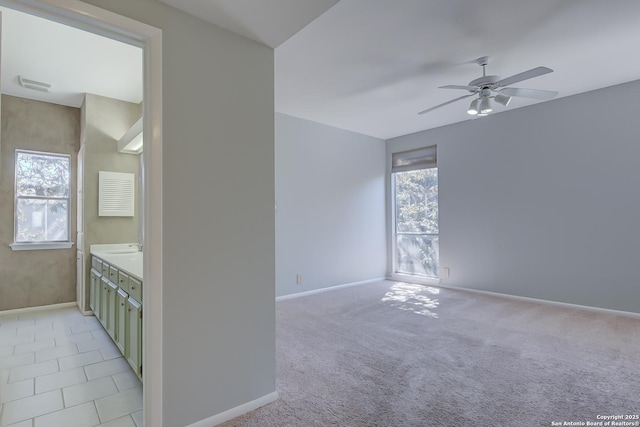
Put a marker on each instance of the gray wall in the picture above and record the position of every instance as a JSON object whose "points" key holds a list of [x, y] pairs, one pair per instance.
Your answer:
{"points": [[43, 277], [330, 192], [104, 121], [218, 182], [543, 201]]}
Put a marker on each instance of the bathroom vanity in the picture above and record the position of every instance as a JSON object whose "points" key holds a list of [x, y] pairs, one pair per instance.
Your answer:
{"points": [[116, 297]]}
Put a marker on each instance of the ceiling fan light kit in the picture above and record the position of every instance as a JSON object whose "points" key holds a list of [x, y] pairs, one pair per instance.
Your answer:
{"points": [[485, 86], [502, 99], [485, 106], [474, 107]]}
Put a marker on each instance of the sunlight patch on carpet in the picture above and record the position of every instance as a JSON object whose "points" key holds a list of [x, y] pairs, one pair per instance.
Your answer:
{"points": [[413, 297]]}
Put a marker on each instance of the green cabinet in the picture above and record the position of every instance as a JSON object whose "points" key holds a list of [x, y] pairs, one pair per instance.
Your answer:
{"points": [[103, 313], [134, 336], [135, 289], [105, 269], [111, 309], [123, 281], [121, 321], [94, 292], [116, 300], [113, 274], [96, 263]]}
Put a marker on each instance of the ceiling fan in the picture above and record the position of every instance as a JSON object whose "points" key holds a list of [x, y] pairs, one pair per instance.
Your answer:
{"points": [[487, 88]]}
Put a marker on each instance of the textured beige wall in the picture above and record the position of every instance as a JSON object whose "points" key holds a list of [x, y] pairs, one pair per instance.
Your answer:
{"points": [[42, 277], [104, 121]]}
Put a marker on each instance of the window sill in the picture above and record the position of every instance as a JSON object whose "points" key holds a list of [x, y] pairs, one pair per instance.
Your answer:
{"points": [[40, 246]]}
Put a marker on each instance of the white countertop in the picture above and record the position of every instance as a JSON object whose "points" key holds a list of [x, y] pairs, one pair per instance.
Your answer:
{"points": [[122, 256]]}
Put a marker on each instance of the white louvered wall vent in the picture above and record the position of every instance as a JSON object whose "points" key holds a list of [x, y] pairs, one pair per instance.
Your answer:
{"points": [[117, 192]]}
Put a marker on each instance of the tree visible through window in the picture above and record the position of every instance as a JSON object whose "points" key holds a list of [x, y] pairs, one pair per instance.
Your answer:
{"points": [[416, 219], [41, 197]]}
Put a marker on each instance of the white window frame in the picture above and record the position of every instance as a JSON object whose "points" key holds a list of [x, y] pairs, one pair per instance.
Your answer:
{"points": [[420, 162], [45, 244]]}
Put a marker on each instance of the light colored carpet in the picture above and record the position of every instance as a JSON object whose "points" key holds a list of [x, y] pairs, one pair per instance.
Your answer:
{"points": [[394, 354]]}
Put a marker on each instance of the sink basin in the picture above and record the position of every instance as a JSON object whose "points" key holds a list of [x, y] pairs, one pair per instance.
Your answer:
{"points": [[131, 250]]}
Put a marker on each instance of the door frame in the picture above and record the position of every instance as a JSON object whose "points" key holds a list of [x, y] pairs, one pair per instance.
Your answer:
{"points": [[99, 21]]}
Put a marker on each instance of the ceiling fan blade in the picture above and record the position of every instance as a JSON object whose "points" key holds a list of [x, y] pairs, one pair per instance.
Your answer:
{"points": [[469, 88], [525, 75], [529, 93], [445, 103]]}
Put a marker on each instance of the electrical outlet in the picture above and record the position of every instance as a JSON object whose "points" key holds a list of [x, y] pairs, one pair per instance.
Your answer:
{"points": [[446, 272], [299, 279]]}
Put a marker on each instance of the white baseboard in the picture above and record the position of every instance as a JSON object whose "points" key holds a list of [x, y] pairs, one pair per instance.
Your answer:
{"points": [[39, 308], [544, 301], [436, 282], [236, 412], [330, 288]]}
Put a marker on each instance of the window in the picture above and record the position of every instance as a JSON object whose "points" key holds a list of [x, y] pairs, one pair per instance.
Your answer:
{"points": [[416, 231], [41, 200]]}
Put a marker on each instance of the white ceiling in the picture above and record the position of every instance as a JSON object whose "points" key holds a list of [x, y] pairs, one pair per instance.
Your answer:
{"points": [[363, 65], [371, 65], [270, 22], [74, 62]]}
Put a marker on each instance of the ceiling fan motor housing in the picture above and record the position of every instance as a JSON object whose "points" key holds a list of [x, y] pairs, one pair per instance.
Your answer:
{"points": [[484, 82]]}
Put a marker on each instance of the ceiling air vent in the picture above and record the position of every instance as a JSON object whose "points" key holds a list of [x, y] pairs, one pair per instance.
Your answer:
{"points": [[35, 85], [116, 194]]}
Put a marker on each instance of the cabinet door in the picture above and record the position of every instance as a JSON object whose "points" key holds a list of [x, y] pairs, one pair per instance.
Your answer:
{"points": [[113, 274], [121, 334], [111, 309], [103, 301], [92, 292], [123, 281], [97, 291], [135, 289], [105, 269], [134, 338]]}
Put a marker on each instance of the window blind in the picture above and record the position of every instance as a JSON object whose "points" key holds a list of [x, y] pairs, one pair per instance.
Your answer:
{"points": [[419, 158]]}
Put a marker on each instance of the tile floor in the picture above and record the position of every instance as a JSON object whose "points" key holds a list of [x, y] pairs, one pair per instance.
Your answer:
{"points": [[59, 368]]}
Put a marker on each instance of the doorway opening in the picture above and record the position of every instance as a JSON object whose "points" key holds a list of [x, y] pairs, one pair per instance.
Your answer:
{"points": [[103, 23]]}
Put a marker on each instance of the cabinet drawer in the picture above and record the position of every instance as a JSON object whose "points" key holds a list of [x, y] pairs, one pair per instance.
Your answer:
{"points": [[123, 281], [113, 275], [135, 289], [96, 264], [105, 269]]}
